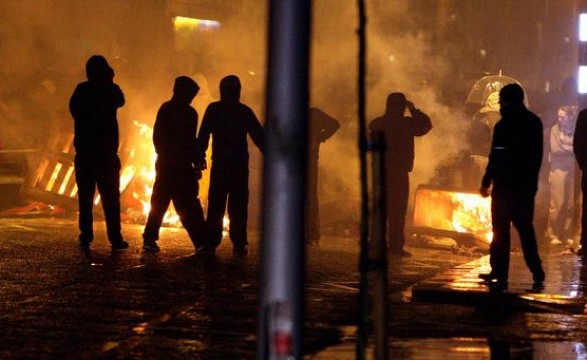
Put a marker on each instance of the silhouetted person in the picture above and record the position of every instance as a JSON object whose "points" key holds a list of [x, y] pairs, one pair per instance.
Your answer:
{"points": [[399, 132], [321, 127], [229, 121], [93, 105], [580, 151], [513, 168], [178, 167]]}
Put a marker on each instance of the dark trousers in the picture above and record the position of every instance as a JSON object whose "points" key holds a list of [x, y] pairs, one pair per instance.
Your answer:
{"points": [[312, 204], [511, 205], [584, 211], [229, 191], [182, 189], [102, 173], [397, 194]]}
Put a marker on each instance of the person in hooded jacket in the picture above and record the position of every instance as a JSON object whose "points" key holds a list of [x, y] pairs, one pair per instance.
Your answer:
{"points": [[513, 168], [178, 168], [399, 132], [93, 106], [228, 122]]}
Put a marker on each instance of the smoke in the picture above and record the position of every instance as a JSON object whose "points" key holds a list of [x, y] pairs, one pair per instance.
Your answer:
{"points": [[399, 60]]}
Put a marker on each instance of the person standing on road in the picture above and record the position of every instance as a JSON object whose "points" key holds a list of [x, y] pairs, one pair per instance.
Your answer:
{"points": [[580, 151], [514, 164], [229, 121], [178, 168], [93, 106], [561, 177], [321, 127], [399, 132]]}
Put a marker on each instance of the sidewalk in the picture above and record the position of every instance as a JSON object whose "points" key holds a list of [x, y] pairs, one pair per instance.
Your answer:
{"points": [[563, 292]]}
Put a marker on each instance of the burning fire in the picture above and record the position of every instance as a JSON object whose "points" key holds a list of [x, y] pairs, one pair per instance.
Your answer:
{"points": [[453, 211], [472, 214]]}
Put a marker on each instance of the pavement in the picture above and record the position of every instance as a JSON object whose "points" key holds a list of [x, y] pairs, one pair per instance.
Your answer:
{"points": [[57, 302]]}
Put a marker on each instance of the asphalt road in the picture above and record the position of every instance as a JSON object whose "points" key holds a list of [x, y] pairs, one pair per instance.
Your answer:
{"points": [[58, 303]]}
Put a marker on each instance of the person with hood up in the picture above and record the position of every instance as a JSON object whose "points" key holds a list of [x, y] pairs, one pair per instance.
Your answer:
{"points": [[178, 168], [229, 122], [399, 132], [514, 164], [93, 106]]}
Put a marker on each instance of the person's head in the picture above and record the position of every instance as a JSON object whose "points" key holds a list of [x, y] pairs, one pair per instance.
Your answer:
{"points": [[396, 104], [98, 70], [565, 115], [230, 88], [185, 89], [511, 95]]}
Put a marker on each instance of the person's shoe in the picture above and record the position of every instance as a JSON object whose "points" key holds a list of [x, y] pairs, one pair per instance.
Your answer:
{"points": [[400, 252], [85, 245], [539, 277], [487, 277], [204, 250], [498, 286], [150, 246], [240, 252], [120, 246]]}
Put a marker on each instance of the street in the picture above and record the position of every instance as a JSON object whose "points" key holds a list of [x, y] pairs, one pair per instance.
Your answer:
{"points": [[59, 303]]}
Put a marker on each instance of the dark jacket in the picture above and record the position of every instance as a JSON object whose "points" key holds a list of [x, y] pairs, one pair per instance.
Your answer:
{"points": [[93, 106], [516, 151], [174, 136], [229, 122], [399, 133], [580, 140]]}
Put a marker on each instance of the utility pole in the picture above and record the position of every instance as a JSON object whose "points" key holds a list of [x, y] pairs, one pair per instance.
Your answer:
{"points": [[284, 182]]}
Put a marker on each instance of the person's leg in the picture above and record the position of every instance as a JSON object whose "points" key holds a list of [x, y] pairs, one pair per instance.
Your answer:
{"points": [[501, 217], [86, 190], [555, 211], [583, 239], [217, 196], [160, 199], [109, 189], [523, 222], [238, 215], [188, 207], [397, 204]]}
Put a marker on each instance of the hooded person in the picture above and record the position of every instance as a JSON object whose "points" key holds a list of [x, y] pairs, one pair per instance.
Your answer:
{"points": [[93, 106], [178, 168], [513, 168], [228, 122], [398, 133]]}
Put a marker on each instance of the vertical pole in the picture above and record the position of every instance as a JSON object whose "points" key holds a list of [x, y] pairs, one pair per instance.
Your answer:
{"points": [[364, 226], [378, 247], [284, 181]]}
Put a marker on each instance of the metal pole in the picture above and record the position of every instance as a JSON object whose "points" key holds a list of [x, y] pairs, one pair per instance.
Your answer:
{"points": [[284, 181], [378, 247], [363, 298]]}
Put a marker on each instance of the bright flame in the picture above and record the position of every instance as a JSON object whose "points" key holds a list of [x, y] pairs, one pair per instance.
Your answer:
{"points": [[472, 214]]}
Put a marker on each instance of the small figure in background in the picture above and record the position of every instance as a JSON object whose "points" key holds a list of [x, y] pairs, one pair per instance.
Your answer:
{"points": [[561, 177]]}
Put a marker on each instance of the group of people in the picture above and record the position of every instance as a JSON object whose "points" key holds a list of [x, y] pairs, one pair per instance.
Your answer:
{"points": [[181, 158], [510, 178]]}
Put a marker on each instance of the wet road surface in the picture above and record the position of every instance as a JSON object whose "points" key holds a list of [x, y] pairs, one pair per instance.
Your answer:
{"points": [[57, 302]]}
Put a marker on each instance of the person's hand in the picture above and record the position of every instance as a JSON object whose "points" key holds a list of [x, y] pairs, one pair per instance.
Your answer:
{"points": [[484, 192], [410, 105]]}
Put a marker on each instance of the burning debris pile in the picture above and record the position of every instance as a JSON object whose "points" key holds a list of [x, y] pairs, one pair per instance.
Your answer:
{"points": [[462, 216], [53, 181]]}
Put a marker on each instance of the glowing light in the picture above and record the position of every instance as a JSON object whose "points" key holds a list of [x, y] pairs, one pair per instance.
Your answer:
{"points": [[582, 27], [582, 79], [187, 23], [472, 214], [53, 178]]}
